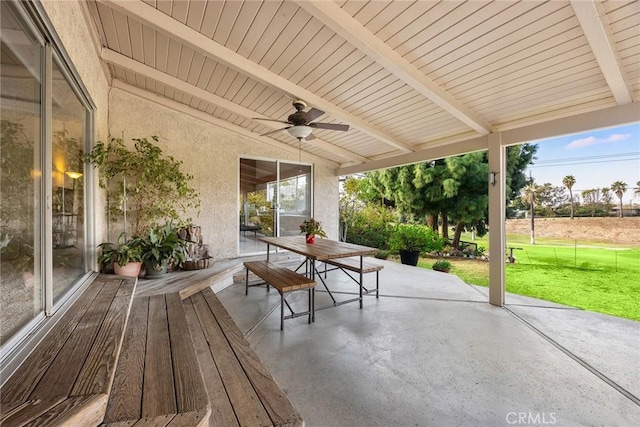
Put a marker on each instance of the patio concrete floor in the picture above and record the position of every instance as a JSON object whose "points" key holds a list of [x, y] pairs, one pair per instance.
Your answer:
{"points": [[431, 351]]}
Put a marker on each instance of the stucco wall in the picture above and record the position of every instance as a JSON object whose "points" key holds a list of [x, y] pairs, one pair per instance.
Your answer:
{"points": [[212, 155]]}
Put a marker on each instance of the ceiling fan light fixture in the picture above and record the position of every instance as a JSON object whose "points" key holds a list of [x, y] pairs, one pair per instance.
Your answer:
{"points": [[300, 132]]}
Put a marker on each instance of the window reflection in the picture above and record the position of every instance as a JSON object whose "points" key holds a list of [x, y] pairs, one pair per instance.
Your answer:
{"points": [[21, 287]]}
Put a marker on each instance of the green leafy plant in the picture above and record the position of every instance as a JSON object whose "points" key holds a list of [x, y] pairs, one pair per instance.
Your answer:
{"points": [[312, 227], [121, 253], [415, 238], [143, 185], [382, 254], [162, 245], [441, 265]]}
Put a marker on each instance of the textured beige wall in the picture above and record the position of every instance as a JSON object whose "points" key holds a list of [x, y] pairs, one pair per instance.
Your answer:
{"points": [[69, 23], [212, 155]]}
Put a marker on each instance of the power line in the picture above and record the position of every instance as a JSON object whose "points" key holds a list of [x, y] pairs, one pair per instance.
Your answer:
{"points": [[569, 163], [604, 156]]}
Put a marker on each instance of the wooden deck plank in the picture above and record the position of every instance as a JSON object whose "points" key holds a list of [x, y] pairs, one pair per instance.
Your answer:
{"points": [[25, 412], [75, 411], [190, 419], [158, 395], [277, 404], [98, 369], [24, 380], [246, 403], [191, 394], [126, 392], [58, 381], [221, 410]]}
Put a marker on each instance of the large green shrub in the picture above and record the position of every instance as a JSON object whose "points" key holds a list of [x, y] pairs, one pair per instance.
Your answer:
{"points": [[370, 226], [412, 237]]}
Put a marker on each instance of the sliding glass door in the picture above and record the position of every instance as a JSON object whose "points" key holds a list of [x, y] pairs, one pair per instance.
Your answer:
{"points": [[275, 197]]}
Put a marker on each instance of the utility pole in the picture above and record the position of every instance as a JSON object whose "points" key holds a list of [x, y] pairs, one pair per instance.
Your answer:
{"points": [[532, 194]]}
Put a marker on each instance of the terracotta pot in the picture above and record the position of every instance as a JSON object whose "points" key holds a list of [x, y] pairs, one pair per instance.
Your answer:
{"points": [[311, 238], [131, 269]]}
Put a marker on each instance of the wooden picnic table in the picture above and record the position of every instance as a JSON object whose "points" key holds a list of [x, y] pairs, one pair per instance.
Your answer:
{"points": [[323, 250]]}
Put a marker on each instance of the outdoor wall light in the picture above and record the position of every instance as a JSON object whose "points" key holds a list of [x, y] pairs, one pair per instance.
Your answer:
{"points": [[492, 177]]}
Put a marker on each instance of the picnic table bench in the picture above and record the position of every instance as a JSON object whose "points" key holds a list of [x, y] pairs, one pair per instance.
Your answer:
{"points": [[285, 281], [353, 264]]}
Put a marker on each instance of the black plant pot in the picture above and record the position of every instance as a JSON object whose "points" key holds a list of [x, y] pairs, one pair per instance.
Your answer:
{"points": [[409, 257]]}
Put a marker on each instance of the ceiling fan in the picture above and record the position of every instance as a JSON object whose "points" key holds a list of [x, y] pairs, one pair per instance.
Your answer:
{"points": [[301, 122]]}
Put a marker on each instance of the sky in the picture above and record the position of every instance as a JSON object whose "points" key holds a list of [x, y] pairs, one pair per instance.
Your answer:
{"points": [[596, 159]]}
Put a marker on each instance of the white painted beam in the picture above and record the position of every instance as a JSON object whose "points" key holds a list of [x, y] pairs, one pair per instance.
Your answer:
{"points": [[432, 153], [497, 208], [201, 115], [164, 24], [115, 58], [608, 117], [597, 34], [334, 17]]}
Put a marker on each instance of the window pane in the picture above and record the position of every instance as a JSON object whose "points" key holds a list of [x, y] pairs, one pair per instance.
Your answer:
{"points": [[69, 118], [21, 289]]}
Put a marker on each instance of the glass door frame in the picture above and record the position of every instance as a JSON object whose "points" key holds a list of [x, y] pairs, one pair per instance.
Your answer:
{"points": [[277, 207]]}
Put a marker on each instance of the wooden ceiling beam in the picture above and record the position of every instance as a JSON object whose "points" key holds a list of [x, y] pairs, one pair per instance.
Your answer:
{"points": [[174, 29], [334, 17], [201, 115], [598, 35], [132, 65]]}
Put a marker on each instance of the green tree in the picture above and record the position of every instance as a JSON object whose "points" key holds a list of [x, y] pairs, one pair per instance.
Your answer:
{"points": [[619, 188], [569, 181]]}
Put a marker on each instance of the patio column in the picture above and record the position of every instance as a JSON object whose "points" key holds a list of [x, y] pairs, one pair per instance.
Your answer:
{"points": [[497, 209]]}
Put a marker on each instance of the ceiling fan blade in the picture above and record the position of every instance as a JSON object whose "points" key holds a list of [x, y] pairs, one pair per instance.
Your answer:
{"points": [[274, 131], [310, 137], [330, 126], [270, 120], [313, 114]]}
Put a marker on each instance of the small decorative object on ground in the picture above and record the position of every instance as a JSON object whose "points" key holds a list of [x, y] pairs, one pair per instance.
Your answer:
{"points": [[312, 228], [198, 256]]}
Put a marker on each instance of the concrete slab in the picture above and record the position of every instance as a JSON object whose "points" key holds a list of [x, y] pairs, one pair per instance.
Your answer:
{"points": [[430, 351]]}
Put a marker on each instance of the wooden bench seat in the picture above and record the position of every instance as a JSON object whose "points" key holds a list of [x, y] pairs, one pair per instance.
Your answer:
{"points": [[241, 390], [67, 378], [353, 264], [285, 281], [158, 377]]}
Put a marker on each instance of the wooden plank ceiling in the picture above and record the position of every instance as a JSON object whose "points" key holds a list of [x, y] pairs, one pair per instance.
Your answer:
{"points": [[405, 75]]}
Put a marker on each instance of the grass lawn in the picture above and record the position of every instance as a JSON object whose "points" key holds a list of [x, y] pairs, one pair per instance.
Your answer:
{"points": [[597, 278]]}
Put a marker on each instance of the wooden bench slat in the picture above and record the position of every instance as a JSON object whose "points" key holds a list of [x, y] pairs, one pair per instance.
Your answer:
{"points": [[353, 264], [58, 381], [191, 419], [277, 404], [24, 380], [221, 409], [158, 395], [247, 405], [191, 394], [281, 278], [126, 391], [22, 413], [98, 369]]}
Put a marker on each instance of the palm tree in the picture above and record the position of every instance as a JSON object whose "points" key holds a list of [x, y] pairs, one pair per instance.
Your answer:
{"points": [[619, 188], [568, 182]]}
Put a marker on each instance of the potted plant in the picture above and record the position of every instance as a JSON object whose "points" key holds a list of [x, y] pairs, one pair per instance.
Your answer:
{"points": [[160, 246], [312, 228], [125, 257], [410, 240], [441, 265]]}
